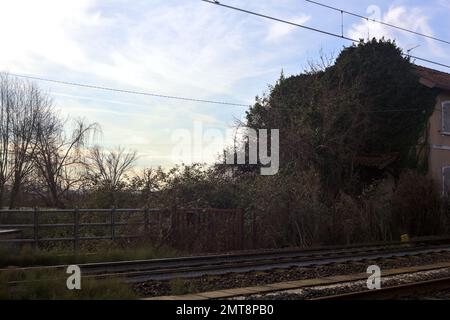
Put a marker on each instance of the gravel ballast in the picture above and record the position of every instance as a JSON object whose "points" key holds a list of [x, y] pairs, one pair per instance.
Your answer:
{"points": [[238, 280], [347, 287]]}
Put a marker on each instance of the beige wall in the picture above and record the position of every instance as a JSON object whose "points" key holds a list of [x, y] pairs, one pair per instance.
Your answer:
{"points": [[439, 142]]}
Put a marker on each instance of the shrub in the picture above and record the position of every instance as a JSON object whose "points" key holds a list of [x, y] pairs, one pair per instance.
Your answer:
{"points": [[418, 208]]}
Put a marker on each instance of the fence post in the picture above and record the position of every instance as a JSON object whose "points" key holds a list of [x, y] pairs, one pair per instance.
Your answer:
{"points": [[254, 229], [241, 227], [146, 212], [76, 230], [113, 223], [214, 237], [36, 227]]}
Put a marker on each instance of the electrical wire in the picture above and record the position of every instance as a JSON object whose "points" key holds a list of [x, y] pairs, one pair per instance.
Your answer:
{"points": [[77, 84], [378, 21], [314, 29], [104, 88]]}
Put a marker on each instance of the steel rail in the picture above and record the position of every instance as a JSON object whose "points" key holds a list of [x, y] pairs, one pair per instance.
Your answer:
{"points": [[254, 255], [393, 292], [263, 265], [165, 269], [273, 253]]}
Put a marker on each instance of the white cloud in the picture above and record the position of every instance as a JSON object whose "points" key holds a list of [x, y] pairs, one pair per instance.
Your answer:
{"points": [[179, 48], [445, 3], [408, 18], [173, 49], [34, 33], [279, 30], [184, 48]]}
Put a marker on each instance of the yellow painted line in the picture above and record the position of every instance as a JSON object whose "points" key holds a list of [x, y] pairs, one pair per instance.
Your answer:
{"points": [[296, 284]]}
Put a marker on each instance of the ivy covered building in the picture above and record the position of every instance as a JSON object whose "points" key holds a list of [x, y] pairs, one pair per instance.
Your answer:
{"points": [[438, 129]]}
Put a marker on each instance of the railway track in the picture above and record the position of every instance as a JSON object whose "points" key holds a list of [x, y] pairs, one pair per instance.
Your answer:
{"points": [[415, 289], [189, 267]]}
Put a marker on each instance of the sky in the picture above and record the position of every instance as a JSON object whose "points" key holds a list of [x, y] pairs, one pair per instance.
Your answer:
{"points": [[187, 48]]}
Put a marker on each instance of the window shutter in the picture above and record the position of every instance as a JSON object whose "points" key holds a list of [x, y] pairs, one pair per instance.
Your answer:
{"points": [[446, 180], [446, 117]]}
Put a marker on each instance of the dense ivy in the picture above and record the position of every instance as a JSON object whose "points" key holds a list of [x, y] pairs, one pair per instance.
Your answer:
{"points": [[368, 102]]}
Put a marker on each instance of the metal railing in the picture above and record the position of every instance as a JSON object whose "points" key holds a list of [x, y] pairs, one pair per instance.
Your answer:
{"points": [[37, 224]]}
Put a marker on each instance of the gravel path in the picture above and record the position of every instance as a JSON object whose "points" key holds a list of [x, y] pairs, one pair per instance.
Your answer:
{"points": [[210, 283]]}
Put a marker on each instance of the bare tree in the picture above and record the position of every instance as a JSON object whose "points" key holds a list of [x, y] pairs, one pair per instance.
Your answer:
{"points": [[321, 64], [6, 101], [108, 168], [32, 107], [22, 105], [59, 158], [36, 151]]}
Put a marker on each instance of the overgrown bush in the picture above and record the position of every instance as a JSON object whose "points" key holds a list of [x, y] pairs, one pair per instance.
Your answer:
{"points": [[286, 209], [418, 207]]}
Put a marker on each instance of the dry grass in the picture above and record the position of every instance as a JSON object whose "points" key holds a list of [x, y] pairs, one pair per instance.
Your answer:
{"points": [[27, 256], [50, 286]]}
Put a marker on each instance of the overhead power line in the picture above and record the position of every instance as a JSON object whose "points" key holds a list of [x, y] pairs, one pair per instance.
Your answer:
{"points": [[378, 21], [280, 20], [39, 78], [142, 93], [341, 36]]}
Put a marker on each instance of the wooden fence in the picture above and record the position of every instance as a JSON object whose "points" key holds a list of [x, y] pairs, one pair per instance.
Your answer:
{"points": [[193, 229]]}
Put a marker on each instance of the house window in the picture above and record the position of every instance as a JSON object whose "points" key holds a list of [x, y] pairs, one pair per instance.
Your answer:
{"points": [[446, 117], [446, 180]]}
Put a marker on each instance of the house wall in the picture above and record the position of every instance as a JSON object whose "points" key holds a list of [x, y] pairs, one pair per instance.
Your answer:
{"points": [[439, 143]]}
